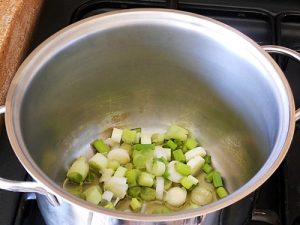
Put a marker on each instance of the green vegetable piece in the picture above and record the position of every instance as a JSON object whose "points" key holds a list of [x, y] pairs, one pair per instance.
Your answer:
{"points": [[109, 205], [129, 166], [171, 144], [135, 204], [113, 164], [183, 169], [145, 179], [93, 194], [178, 155], [127, 147], [148, 194], [143, 147], [128, 136], [176, 132], [221, 191], [78, 170], [207, 159], [191, 143], [134, 192], [157, 138], [207, 168], [186, 183], [209, 177], [120, 172], [90, 177], [138, 130], [100, 146], [132, 176], [167, 184], [158, 168], [141, 157], [217, 179]]}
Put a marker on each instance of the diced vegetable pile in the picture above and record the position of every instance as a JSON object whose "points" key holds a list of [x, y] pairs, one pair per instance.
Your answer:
{"points": [[134, 168]]}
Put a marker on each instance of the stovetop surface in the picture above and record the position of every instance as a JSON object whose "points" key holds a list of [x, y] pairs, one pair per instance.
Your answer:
{"points": [[267, 22]]}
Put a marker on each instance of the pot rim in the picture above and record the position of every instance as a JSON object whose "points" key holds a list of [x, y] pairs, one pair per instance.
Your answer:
{"points": [[68, 35]]}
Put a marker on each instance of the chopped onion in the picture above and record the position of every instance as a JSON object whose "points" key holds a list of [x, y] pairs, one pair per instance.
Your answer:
{"points": [[199, 151], [120, 155], [107, 196], [116, 135], [173, 174], [176, 196]]}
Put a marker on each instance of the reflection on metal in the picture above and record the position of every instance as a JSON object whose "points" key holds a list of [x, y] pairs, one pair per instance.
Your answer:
{"points": [[266, 216]]}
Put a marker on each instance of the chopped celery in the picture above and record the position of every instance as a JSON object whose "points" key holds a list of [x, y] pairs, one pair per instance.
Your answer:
{"points": [[134, 191], [171, 144], [191, 143], [207, 168], [221, 191], [207, 159], [157, 138], [176, 132], [78, 170], [217, 179], [186, 183], [113, 164], [119, 154], [100, 146], [93, 194], [141, 157], [132, 176], [135, 204], [143, 147], [209, 176], [196, 164], [128, 136], [178, 155], [98, 162], [176, 196], [148, 194], [199, 151], [183, 169], [120, 172], [145, 179], [116, 135]]}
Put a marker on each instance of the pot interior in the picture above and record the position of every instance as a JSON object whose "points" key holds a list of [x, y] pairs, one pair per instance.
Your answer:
{"points": [[142, 72]]}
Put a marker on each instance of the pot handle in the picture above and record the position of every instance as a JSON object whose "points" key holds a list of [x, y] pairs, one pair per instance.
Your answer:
{"points": [[26, 186], [287, 52]]}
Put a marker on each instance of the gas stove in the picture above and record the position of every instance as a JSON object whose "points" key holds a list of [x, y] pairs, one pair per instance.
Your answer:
{"points": [[277, 22]]}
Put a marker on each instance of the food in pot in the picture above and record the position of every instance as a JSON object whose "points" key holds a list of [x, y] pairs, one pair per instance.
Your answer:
{"points": [[148, 173]]}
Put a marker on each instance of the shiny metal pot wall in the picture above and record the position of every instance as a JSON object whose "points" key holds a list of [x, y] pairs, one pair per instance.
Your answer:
{"points": [[147, 68]]}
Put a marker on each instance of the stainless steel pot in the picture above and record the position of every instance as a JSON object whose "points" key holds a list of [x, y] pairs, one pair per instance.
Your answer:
{"points": [[147, 68]]}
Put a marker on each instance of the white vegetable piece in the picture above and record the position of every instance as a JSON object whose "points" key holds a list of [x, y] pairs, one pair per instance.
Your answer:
{"points": [[158, 168], [116, 135], [176, 196], [107, 196], [120, 172], [162, 152], [145, 138], [98, 161], [106, 175], [117, 185], [201, 196], [199, 151], [160, 181], [193, 179], [111, 143], [196, 164], [120, 155], [174, 176]]}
